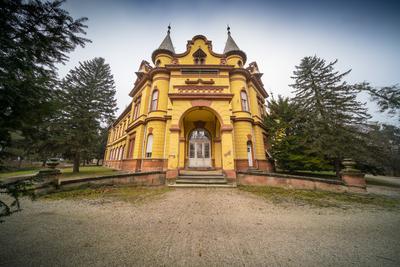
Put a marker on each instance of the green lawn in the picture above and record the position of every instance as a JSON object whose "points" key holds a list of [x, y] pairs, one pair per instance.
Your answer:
{"points": [[86, 171], [322, 198], [17, 173]]}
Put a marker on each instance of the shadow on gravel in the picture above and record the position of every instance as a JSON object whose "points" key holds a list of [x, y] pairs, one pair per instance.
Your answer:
{"points": [[132, 194]]}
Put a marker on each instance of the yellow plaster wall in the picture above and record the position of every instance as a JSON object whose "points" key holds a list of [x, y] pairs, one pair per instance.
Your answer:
{"points": [[234, 60], [241, 130], [164, 59], [199, 43], [158, 138], [258, 142]]}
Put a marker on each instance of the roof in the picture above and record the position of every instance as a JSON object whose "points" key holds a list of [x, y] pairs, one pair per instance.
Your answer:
{"points": [[232, 48], [166, 46], [230, 45]]}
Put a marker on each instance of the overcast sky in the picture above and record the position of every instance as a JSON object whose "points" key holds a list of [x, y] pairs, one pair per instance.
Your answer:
{"points": [[363, 35]]}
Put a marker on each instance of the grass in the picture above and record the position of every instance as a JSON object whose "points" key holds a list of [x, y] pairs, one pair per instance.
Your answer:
{"points": [[132, 194], [85, 171], [17, 173], [322, 198]]}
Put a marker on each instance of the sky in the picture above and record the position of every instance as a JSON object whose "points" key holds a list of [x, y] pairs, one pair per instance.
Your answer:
{"points": [[363, 35]]}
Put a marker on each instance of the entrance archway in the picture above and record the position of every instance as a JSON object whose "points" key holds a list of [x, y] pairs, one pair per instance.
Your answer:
{"points": [[200, 139], [199, 149]]}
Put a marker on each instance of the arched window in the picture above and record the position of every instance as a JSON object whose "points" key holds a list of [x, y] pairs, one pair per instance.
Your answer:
{"points": [[122, 152], [131, 146], [158, 63], [240, 63], [149, 146], [245, 102], [154, 100], [136, 109]]}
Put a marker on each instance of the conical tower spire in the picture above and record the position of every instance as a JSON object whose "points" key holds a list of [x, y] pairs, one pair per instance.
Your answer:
{"points": [[166, 45], [231, 47]]}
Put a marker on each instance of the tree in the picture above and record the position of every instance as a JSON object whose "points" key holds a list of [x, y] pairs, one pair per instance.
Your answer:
{"points": [[333, 118], [381, 153], [387, 98], [34, 36], [87, 94], [286, 135]]}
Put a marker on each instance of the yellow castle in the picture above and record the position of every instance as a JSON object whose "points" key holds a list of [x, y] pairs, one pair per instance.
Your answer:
{"points": [[193, 110]]}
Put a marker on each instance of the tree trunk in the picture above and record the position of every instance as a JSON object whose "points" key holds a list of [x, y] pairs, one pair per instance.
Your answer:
{"points": [[97, 162], [337, 168], [43, 163], [77, 159]]}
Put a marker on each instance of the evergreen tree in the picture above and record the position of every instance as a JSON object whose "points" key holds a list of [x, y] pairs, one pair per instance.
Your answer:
{"points": [[34, 36], [286, 136], [381, 153], [387, 97], [334, 120], [88, 106]]}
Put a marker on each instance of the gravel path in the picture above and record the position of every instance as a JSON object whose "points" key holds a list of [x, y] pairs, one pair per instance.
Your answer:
{"points": [[197, 227]]}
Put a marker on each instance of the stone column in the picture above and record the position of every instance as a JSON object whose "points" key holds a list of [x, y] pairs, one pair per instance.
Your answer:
{"points": [[353, 178]]}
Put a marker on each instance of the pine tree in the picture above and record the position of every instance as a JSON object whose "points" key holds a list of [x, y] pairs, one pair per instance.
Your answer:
{"points": [[286, 137], [334, 119], [34, 36], [88, 106], [387, 97]]}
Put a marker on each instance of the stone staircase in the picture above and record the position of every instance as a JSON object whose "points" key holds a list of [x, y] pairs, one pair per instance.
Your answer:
{"points": [[209, 178]]}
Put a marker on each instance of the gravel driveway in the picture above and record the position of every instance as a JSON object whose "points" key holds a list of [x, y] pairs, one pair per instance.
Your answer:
{"points": [[197, 227]]}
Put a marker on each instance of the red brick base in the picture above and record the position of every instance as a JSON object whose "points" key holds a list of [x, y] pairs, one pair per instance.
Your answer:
{"points": [[355, 180], [290, 182]]}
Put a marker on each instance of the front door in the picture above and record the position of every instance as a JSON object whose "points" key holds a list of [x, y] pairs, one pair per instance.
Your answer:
{"points": [[199, 149], [249, 154]]}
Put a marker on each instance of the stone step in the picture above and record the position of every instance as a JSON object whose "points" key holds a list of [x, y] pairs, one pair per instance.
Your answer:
{"points": [[202, 173], [200, 181], [202, 185], [201, 177]]}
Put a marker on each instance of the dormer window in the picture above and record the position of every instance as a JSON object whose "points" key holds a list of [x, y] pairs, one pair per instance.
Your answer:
{"points": [[199, 57]]}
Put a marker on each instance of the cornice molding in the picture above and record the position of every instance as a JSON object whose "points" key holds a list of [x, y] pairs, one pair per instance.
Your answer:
{"points": [[213, 96]]}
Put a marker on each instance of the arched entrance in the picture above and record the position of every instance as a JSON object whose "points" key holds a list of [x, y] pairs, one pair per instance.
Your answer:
{"points": [[199, 149], [200, 139]]}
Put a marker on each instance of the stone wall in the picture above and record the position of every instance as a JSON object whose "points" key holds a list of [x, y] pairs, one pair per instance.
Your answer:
{"points": [[293, 181], [153, 178]]}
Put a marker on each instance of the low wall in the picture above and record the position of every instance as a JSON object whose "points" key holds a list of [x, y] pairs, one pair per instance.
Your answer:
{"points": [[291, 181], [139, 178]]}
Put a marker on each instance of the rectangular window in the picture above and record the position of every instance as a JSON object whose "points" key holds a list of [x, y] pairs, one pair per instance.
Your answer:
{"points": [[191, 151], [149, 146], [199, 150], [131, 147], [206, 150], [136, 109]]}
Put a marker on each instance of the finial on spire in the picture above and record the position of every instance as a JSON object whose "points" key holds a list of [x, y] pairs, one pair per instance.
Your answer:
{"points": [[169, 28], [228, 29]]}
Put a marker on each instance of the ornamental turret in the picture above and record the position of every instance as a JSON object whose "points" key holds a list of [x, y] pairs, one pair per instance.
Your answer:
{"points": [[234, 55], [165, 52]]}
